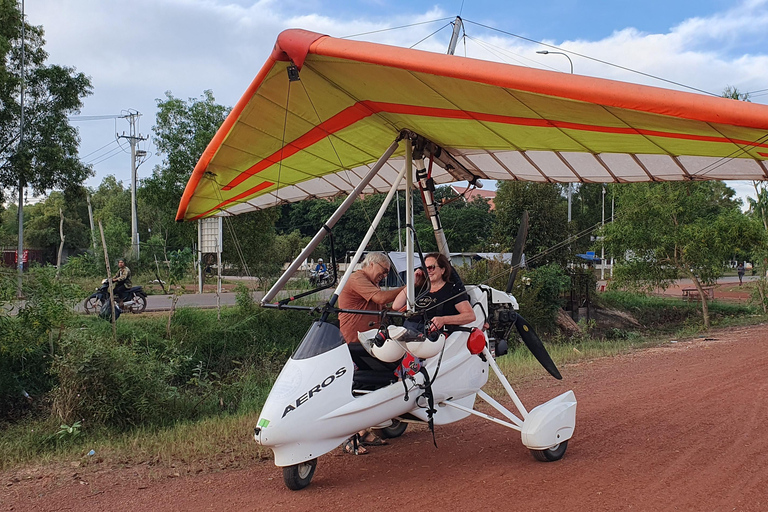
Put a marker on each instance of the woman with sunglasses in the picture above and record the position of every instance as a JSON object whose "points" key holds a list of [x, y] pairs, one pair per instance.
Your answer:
{"points": [[446, 304]]}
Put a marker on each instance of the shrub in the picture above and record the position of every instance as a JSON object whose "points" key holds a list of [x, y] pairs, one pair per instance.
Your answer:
{"points": [[114, 385], [30, 339], [206, 368], [539, 295], [84, 265]]}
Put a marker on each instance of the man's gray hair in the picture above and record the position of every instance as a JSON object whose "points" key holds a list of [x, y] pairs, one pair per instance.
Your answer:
{"points": [[376, 257]]}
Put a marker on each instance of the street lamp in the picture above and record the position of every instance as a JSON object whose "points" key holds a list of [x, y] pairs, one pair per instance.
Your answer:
{"points": [[547, 52], [570, 186]]}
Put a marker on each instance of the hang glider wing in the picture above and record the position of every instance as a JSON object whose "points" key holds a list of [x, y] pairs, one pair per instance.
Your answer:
{"points": [[321, 111]]}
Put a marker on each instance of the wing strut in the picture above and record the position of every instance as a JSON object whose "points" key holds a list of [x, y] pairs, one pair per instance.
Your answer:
{"points": [[323, 231], [374, 224]]}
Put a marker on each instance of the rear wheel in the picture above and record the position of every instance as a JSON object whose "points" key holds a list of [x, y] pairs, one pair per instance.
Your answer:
{"points": [[92, 305], [396, 429], [299, 476], [139, 304], [550, 454]]}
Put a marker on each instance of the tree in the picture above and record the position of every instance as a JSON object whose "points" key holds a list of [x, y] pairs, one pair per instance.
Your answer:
{"points": [[112, 206], [467, 225], [548, 219], [46, 157], [42, 224], [248, 243], [665, 231], [182, 132], [734, 94]]}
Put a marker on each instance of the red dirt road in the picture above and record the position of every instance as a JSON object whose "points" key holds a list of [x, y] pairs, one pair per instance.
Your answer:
{"points": [[679, 427]]}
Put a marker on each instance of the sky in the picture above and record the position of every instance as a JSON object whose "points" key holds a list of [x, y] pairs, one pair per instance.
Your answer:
{"points": [[135, 51]]}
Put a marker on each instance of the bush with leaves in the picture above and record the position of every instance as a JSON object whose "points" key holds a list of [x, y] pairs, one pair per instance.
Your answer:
{"points": [[179, 264], [29, 339], [538, 291], [84, 265], [206, 367], [115, 385]]}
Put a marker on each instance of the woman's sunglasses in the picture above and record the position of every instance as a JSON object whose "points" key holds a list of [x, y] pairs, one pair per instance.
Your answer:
{"points": [[431, 267]]}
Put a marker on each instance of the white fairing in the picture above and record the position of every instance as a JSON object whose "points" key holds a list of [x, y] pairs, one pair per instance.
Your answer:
{"points": [[313, 407], [550, 423], [500, 297]]}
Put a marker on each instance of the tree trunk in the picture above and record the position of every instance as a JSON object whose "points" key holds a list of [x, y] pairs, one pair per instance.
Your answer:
{"points": [[704, 304], [61, 245]]}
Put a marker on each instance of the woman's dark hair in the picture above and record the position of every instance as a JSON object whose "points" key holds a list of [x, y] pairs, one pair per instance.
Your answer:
{"points": [[443, 263]]}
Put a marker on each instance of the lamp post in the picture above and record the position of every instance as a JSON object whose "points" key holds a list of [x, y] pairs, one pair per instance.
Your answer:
{"points": [[602, 241], [570, 186], [547, 52]]}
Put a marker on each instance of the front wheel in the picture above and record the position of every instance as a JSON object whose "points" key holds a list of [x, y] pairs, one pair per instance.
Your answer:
{"points": [[299, 476], [92, 305], [139, 304], [551, 454], [396, 429]]}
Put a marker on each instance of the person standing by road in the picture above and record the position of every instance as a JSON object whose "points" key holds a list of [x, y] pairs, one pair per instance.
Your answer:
{"points": [[740, 272]]}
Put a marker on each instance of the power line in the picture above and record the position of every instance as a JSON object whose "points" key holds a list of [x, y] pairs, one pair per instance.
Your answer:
{"points": [[593, 59], [92, 118]]}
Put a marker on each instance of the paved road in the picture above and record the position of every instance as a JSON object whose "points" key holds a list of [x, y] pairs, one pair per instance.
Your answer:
{"points": [[209, 300], [199, 300]]}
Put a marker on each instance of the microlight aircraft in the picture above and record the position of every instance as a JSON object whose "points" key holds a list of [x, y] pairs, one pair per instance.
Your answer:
{"points": [[326, 117]]}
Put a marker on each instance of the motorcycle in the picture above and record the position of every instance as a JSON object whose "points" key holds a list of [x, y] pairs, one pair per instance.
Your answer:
{"points": [[320, 279], [133, 300]]}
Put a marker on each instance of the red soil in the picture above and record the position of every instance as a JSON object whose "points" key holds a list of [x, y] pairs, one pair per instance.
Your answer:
{"points": [[678, 427]]}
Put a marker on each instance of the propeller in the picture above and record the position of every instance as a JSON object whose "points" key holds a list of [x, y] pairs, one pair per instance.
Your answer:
{"points": [[517, 250], [534, 344], [529, 336]]}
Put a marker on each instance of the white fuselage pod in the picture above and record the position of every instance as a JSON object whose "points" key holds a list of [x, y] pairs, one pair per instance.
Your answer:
{"points": [[312, 409]]}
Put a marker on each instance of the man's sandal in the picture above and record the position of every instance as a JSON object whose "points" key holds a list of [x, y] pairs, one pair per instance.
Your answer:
{"points": [[353, 447], [371, 439]]}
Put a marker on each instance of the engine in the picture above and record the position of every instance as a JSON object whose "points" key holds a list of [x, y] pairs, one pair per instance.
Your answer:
{"points": [[502, 313]]}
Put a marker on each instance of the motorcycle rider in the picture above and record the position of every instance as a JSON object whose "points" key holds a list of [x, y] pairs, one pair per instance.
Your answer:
{"points": [[320, 268], [122, 278]]}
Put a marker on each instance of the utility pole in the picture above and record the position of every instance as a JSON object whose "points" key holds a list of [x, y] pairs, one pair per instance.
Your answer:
{"points": [[90, 220], [133, 138], [20, 246]]}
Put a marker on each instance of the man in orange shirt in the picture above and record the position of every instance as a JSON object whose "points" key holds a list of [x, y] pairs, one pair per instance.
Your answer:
{"points": [[362, 292]]}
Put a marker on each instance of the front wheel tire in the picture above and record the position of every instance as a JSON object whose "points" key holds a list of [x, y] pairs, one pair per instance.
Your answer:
{"points": [[551, 454], [396, 429], [299, 476]]}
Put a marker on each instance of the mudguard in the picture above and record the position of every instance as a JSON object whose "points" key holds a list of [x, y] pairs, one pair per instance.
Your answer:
{"points": [[550, 423]]}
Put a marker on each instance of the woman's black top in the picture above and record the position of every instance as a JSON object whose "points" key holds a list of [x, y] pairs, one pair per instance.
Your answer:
{"points": [[443, 301]]}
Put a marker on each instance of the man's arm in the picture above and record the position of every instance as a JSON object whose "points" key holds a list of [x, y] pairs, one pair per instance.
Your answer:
{"points": [[383, 297]]}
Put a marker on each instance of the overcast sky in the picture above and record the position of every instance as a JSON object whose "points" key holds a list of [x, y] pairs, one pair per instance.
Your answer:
{"points": [[136, 50]]}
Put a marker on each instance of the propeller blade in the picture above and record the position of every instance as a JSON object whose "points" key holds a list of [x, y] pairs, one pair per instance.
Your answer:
{"points": [[517, 250], [534, 344]]}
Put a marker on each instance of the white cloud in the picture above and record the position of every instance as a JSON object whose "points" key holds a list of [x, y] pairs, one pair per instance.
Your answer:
{"points": [[135, 51]]}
